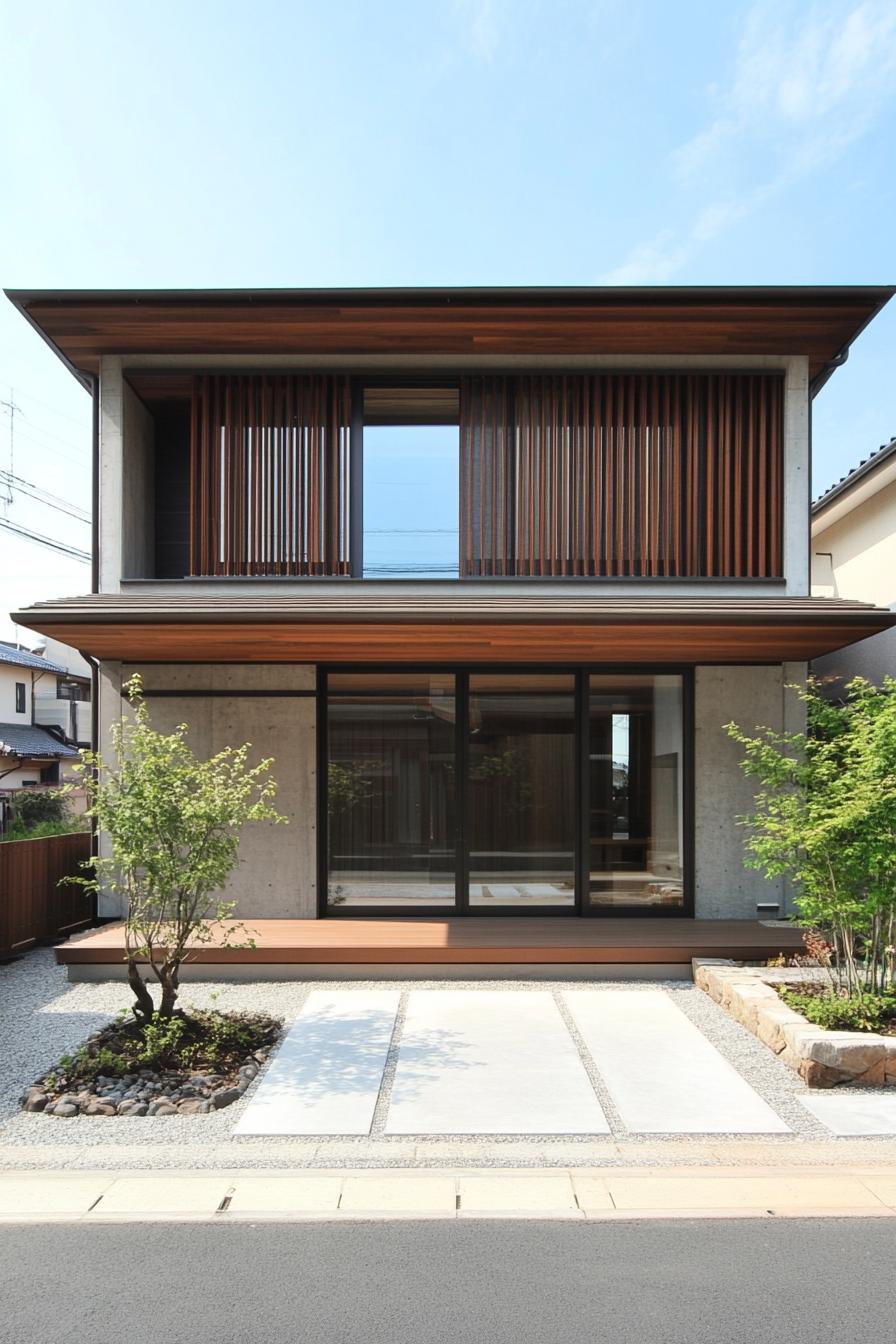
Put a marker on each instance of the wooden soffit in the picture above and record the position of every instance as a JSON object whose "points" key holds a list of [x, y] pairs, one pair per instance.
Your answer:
{"points": [[818, 322], [351, 627]]}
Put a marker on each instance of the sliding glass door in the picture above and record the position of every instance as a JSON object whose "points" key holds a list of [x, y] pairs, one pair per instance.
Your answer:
{"points": [[635, 841], [391, 788], [495, 792], [521, 785]]}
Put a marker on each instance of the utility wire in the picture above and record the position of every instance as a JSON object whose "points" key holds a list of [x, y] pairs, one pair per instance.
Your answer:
{"points": [[73, 551], [43, 496]]}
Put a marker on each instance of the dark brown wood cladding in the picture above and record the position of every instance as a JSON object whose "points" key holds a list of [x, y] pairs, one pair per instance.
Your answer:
{"points": [[811, 321], [269, 475], [729, 641], [647, 475]]}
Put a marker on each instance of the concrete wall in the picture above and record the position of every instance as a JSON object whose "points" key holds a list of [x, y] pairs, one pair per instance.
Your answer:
{"points": [[277, 874], [751, 697], [126, 512]]}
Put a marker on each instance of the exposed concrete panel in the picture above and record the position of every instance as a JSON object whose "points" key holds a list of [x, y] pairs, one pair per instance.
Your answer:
{"points": [[110, 483], [138, 488], [751, 697], [226, 676], [797, 476], [276, 876]]}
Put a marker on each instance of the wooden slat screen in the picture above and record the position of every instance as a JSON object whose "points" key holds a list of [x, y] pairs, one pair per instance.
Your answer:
{"points": [[622, 475], [269, 474]]}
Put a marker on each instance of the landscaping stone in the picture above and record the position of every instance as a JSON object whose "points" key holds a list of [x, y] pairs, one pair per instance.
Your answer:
{"points": [[821, 1058], [161, 1108], [194, 1106], [65, 1108], [224, 1096]]}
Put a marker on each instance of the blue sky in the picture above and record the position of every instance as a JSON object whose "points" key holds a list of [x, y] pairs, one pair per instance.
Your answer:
{"points": [[466, 142]]}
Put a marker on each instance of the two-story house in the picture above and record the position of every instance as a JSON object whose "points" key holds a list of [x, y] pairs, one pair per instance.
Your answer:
{"points": [[35, 738], [854, 555], [541, 728]]}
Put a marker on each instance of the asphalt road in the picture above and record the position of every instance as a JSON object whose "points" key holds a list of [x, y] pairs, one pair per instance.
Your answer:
{"points": [[706, 1282]]}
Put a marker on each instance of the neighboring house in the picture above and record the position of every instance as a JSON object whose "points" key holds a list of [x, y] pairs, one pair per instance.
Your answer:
{"points": [[543, 730], [854, 555], [36, 722]]}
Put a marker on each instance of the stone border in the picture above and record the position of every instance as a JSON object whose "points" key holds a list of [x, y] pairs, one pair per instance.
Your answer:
{"points": [[821, 1058]]}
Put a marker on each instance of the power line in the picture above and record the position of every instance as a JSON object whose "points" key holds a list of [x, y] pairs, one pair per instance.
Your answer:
{"points": [[42, 496], [73, 551], [52, 409]]}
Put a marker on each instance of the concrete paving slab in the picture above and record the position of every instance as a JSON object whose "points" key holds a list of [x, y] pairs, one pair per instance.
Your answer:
{"points": [[281, 1193], [403, 1194], [662, 1073], [490, 1062], [174, 1193], [51, 1195], [326, 1076], [853, 1114]]}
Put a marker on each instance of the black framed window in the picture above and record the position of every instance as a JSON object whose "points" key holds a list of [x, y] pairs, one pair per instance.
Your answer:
{"points": [[485, 791], [20, 697]]}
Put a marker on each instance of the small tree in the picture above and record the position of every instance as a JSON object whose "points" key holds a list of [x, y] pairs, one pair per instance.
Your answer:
{"points": [[826, 816], [172, 822]]}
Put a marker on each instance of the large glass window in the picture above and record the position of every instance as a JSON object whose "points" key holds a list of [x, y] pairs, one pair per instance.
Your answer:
{"points": [[502, 791], [635, 762], [522, 790], [391, 790]]}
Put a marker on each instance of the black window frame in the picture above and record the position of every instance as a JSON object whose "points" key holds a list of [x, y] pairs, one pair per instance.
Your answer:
{"points": [[461, 908], [21, 698]]}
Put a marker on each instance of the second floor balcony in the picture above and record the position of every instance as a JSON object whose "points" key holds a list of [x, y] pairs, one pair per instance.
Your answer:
{"points": [[613, 475]]}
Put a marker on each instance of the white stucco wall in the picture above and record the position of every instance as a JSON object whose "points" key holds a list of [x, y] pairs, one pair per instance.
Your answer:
{"points": [[854, 556], [751, 697], [276, 876]]}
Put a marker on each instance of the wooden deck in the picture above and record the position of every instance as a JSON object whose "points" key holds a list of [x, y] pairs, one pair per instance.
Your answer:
{"points": [[469, 941]]}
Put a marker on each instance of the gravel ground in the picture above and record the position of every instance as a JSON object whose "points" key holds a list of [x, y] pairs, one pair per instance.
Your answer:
{"points": [[42, 1016]]}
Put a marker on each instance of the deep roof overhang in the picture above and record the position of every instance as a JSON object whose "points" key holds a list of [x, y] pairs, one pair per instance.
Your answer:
{"points": [[346, 625], [819, 322]]}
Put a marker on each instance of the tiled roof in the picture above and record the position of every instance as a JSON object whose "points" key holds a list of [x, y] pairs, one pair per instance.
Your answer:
{"points": [[24, 740], [21, 658], [867, 465]]}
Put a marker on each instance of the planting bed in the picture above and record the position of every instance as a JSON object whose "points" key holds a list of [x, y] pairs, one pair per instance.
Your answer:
{"points": [[822, 1058], [190, 1065]]}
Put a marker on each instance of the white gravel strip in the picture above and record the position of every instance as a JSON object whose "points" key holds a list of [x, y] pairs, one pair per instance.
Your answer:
{"points": [[42, 1016]]}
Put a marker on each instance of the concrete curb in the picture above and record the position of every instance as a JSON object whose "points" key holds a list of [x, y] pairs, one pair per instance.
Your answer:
{"points": [[336, 1195]]}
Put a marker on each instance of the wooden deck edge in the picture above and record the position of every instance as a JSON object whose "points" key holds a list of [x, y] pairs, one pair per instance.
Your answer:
{"points": [[74, 956]]}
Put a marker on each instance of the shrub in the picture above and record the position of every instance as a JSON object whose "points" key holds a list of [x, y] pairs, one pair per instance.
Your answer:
{"points": [[864, 1012], [826, 816], [31, 807]]}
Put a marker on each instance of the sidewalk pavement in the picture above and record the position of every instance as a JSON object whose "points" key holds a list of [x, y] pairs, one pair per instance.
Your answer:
{"points": [[340, 1196]]}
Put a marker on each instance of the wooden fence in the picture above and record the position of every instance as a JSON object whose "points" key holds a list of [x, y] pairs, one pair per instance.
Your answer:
{"points": [[34, 907]]}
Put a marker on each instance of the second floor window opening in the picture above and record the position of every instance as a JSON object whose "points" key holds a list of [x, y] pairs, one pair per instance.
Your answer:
{"points": [[411, 501]]}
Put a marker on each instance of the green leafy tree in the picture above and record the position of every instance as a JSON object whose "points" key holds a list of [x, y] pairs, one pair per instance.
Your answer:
{"points": [[825, 815], [172, 823]]}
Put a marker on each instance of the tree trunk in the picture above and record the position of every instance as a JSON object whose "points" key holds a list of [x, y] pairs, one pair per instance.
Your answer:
{"points": [[168, 979], [144, 1010]]}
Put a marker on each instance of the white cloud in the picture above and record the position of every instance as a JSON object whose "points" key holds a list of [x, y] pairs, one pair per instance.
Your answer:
{"points": [[806, 82]]}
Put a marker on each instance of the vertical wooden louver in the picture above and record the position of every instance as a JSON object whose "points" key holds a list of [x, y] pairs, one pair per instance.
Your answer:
{"points": [[269, 475], [622, 475]]}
